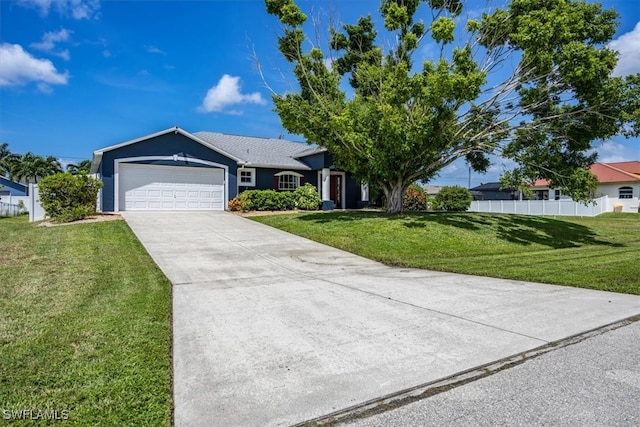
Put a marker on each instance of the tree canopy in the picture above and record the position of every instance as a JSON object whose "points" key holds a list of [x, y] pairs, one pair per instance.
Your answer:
{"points": [[82, 167], [28, 167], [403, 121]]}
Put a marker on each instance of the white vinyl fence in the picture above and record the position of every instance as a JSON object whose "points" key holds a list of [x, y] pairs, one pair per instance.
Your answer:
{"points": [[7, 209], [36, 212], [15, 200], [552, 207]]}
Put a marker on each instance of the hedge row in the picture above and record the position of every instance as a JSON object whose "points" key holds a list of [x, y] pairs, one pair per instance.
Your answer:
{"points": [[304, 198]]}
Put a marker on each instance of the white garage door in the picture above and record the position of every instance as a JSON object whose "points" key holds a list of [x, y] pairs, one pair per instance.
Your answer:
{"points": [[151, 187]]}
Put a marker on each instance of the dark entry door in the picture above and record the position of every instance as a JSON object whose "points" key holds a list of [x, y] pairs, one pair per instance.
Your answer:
{"points": [[336, 190]]}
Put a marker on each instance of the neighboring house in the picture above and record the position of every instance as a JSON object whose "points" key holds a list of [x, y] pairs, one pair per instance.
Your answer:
{"points": [[177, 170], [10, 188], [493, 191], [432, 190], [619, 180]]}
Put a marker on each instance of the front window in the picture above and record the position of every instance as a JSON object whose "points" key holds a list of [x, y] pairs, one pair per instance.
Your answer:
{"points": [[288, 182], [247, 177], [625, 193]]}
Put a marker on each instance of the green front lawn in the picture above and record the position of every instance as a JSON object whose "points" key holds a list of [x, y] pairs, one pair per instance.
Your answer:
{"points": [[84, 326], [598, 253]]}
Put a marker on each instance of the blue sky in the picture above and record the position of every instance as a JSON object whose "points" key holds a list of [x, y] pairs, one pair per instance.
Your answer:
{"points": [[78, 75]]}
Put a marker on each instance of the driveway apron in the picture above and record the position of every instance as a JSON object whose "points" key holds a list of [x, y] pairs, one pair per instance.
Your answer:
{"points": [[272, 329]]}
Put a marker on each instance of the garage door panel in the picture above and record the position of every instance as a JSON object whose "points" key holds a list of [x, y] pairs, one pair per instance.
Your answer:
{"points": [[151, 187]]}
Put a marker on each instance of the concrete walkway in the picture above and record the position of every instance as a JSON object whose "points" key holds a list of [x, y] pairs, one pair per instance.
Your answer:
{"points": [[273, 329]]}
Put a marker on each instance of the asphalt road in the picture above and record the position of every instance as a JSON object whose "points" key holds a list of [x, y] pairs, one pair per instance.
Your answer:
{"points": [[595, 382]]}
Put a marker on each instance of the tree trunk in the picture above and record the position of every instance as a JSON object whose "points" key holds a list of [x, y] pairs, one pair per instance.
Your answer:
{"points": [[394, 192]]}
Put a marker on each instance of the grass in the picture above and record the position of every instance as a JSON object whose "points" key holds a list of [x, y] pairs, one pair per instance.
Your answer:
{"points": [[598, 253], [84, 326]]}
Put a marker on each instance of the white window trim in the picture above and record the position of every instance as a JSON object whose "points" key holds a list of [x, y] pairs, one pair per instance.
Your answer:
{"points": [[628, 189], [251, 183], [288, 173], [299, 175]]}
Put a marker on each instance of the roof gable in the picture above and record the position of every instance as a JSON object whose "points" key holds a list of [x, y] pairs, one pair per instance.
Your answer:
{"points": [[245, 150], [97, 155]]}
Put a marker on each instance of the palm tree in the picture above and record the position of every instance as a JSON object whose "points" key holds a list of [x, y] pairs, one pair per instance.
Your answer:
{"points": [[4, 158], [31, 167], [82, 167]]}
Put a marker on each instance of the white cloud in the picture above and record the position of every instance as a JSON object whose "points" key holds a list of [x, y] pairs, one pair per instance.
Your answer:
{"points": [[77, 9], [155, 49], [227, 93], [611, 152], [49, 41], [628, 45], [20, 68], [106, 53], [45, 88]]}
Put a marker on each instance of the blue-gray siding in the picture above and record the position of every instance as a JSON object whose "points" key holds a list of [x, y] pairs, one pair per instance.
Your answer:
{"points": [[265, 180], [163, 145]]}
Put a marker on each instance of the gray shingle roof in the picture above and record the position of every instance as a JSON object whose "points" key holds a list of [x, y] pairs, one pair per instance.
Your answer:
{"points": [[269, 152]]}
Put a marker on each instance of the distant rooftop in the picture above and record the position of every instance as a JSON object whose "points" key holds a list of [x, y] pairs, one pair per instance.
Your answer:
{"points": [[609, 172]]}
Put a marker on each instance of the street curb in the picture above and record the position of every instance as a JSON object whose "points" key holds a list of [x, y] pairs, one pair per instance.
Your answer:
{"points": [[404, 397]]}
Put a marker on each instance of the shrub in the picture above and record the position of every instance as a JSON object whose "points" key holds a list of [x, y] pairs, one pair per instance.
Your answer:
{"points": [[307, 198], [453, 199], [265, 200], [414, 199], [235, 204], [66, 197]]}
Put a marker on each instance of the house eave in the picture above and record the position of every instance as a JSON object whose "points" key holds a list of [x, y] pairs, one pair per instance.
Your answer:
{"points": [[97, 155], [267, 166]]}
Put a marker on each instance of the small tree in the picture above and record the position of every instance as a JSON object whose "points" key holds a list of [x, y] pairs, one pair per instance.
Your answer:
{"points": [[453, 199], [66, 197]]}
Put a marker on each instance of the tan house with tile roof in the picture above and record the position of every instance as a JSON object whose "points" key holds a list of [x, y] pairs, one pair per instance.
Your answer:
{"points": [[619, 181]]}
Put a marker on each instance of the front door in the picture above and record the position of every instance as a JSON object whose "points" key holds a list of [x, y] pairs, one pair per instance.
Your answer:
{"points": [[336, 190]]}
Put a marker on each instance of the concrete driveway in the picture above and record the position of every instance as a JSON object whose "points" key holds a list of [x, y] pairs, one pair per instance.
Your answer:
{"points": [[273, 329]]}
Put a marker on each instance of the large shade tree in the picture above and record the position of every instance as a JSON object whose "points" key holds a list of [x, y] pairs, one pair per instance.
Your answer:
{"points": [[403, 121]]}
